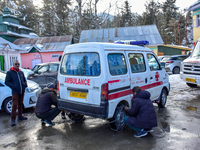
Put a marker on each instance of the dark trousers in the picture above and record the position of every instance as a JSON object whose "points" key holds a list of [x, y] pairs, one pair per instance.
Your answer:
{"points": [[17, 103], [49, 115]]}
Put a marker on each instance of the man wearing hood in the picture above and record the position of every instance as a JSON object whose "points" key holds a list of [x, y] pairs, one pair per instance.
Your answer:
{"points": [[16, 80], [43, 109], [141, 116]]}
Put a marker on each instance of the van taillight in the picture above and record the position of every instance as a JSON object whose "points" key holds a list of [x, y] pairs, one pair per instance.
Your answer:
{"points": [[170, 62], [58, 92], [104, 92]]}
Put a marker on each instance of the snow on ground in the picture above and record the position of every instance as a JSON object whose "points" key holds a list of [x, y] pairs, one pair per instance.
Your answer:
{"points": [[179, 91]]}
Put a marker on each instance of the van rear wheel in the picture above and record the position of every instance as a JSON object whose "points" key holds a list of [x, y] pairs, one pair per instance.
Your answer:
{"points": [[163, 98], [117, 122], [75, 117]]}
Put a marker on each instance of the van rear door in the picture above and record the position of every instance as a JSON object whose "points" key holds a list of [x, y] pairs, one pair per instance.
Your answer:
{"points": [[80, 77]]}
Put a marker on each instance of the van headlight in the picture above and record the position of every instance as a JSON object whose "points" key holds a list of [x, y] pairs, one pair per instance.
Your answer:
{"points": [[29, 90]]}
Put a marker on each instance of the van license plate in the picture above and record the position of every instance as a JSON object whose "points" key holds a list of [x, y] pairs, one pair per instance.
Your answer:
{"points": [[78, 95], [190, 80]]}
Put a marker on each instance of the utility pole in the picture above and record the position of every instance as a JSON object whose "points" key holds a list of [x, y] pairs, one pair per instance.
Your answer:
{"points": [[175, 33], [179, 33]]}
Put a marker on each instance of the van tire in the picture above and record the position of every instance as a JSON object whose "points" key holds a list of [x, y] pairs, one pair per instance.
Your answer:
{"points": [[176, 70], [117, 122], [191, 85], [163, 98], [76, 117]]}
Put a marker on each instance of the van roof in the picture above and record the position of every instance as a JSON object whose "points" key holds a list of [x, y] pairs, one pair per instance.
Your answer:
{"points": [[110, 46]]}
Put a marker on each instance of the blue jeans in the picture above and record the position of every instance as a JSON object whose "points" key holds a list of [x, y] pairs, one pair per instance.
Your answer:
{"points": [[49, 115], [132, 127]]}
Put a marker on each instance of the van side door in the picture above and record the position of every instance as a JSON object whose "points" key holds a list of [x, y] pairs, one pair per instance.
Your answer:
{"points": [[156, 74], [138, 70], [118, 76]]}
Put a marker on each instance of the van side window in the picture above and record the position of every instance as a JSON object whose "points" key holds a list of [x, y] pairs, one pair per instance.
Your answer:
{"points": [[81, 64], [117, 64], [136, 62], [153, 63]]}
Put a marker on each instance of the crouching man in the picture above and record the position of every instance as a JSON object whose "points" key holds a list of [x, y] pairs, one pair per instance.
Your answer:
{"points": [[43, 109], [141, 116]]}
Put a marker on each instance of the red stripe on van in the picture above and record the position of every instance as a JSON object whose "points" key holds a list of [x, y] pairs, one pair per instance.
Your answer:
{"points": [[119, 94], [113, 81], [129, 91], [151, 85]]}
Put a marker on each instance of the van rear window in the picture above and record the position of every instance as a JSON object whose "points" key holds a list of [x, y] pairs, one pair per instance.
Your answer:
{"points": [[81, 64]]}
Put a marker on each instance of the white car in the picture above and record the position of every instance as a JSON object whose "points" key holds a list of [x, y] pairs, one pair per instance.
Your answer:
{"points": [[26, 72], [30, 97]]}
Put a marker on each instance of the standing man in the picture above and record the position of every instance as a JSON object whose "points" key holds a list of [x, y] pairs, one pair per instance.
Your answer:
{"points": [[43, 109], [16, 80], [141, 116]]}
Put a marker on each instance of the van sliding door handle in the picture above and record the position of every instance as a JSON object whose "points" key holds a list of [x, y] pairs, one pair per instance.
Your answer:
{"points": [[145, 80], [151, 77]]}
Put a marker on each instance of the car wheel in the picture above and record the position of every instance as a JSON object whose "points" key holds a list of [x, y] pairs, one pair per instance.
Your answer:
{"points": [[163, 98], [191, 85], [176, 70], [75, 117], [8, 106], [117, 122]]}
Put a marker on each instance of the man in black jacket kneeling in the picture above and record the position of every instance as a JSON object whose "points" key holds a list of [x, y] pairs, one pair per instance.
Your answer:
{"points": [[142, 115], [43, 109]]}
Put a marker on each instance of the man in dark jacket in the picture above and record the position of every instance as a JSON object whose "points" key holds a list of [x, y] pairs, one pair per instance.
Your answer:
{"points": [[43, 108], [141, 116], [16, 80]]}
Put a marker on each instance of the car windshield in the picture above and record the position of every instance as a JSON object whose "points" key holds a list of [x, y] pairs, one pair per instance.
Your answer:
{"points": [[36, 68], [2, 76]]}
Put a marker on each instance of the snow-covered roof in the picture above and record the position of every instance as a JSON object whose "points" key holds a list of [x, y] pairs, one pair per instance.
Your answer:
{"points": [[4, 43], [194, 6], [22, 35], [138, 33], [17, 25], [45, 44]]}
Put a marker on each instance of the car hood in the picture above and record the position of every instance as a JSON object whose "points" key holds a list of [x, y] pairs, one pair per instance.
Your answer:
{"points": [[32, 84]]}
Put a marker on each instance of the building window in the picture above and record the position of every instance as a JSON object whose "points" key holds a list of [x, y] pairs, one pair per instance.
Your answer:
{"points": [[198, 20], [12, 59]]}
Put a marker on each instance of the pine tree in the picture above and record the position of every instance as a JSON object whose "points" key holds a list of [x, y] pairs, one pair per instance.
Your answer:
{"points": [[126, 19]]}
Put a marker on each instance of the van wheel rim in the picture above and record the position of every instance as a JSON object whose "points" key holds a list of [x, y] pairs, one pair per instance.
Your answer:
{"points": [[120, 118], [163, 98]]}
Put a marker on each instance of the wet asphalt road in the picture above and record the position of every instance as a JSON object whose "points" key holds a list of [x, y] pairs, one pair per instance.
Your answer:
{"points": [[178, 128]]}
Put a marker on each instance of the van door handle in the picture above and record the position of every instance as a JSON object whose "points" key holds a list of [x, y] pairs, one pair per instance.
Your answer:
{"points": [[151, 78], [145, 80]]}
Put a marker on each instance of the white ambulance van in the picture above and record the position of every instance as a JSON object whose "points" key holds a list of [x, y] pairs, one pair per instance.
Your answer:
{"points": [[190, 67], [96, 79]]}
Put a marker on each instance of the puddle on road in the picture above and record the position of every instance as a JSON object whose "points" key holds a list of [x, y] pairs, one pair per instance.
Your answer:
{"points": [[165, 126], [192, 108]]}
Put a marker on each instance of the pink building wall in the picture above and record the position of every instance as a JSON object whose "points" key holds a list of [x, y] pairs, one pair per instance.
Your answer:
{"points": [[26, 58]]}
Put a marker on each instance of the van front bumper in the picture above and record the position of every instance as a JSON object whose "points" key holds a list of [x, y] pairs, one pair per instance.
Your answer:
{"points": [[97, 111]]}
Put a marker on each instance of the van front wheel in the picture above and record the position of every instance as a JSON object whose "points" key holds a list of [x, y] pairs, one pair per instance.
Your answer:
{"points": [[117, 122], [163, 98]]}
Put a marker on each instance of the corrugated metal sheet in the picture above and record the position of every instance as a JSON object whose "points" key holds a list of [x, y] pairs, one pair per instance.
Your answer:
{"points": [[4, 43], [149, 33], [54, 43]]}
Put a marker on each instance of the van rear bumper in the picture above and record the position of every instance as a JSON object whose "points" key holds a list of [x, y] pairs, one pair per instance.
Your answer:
{"points": [[97, 111]]}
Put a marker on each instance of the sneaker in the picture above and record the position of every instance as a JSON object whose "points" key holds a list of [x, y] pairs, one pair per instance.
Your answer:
{"points": [[22, 118], [49, 122], [63, 116], [12, 122], [141, 133], [149, 130]]}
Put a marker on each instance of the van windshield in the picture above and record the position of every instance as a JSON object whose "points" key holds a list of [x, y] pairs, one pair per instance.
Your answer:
{"points": [[81, 64], [196, 52]]}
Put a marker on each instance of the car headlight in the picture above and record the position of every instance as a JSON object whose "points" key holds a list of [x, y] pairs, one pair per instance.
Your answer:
{"points": [[29, 90]]}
